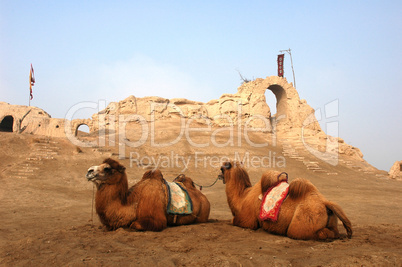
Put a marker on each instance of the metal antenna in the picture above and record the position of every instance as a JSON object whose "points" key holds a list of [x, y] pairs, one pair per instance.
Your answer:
{"points": [[291, 63]]}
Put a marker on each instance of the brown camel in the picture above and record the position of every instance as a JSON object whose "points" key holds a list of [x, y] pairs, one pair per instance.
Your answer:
{"points": [[143, 206], [304, 214]]}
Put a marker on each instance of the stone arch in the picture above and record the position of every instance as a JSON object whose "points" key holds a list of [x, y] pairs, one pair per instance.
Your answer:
{"points": [[75, 124], [291, 112], [270, 99], [281, 99], [7, 124], [78, 126]]}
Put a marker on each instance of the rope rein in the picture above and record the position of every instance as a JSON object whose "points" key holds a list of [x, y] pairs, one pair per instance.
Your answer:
{"points": [[93, 197], [202, 186]]}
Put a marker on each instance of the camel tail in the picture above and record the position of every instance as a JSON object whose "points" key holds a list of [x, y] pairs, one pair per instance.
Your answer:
{"points": [[337, 210]]}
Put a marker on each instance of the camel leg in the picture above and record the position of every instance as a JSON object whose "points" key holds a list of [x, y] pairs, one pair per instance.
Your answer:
{"points": [[204, 212], [137, 226], [245, 222], [202, 219], [326, 233], [309, 222], [149, 224], [331, 230]]}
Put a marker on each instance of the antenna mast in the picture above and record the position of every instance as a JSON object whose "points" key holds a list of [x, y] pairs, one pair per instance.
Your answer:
{"points": [[291, 63]]}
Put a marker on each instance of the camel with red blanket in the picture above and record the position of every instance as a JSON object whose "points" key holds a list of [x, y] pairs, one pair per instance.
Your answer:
{"points": [[304, 214]]}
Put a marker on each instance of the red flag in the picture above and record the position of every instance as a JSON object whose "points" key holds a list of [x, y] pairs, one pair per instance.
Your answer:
{"points": [[31, 81], [281, 57]]}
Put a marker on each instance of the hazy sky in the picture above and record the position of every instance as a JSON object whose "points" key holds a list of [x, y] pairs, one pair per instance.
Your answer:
{"points": [[348, 51]]}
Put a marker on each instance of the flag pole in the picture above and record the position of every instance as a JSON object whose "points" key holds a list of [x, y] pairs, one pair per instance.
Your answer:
{"points": [[291, 63], [31, 83], [29, 95], [30, 86]]}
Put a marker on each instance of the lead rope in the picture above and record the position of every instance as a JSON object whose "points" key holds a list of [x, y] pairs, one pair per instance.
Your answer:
{"points": [[92, 212], [202, 186]]}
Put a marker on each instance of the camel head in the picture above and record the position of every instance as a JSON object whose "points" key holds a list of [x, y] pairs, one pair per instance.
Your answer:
{"points": [[233, 170], [187, 181], [110, 172], [225, 166]]}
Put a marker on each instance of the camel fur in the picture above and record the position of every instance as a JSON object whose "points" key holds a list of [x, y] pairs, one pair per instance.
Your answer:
{"points": [[142, 207], [304, 214], [201, 205]]}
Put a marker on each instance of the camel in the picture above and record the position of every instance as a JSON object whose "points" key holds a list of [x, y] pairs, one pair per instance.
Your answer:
{"points": [[142, 207], [304, 214]]}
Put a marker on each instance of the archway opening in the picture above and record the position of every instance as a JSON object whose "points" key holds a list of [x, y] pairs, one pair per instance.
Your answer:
{"points": [[6, 124], [82, 130], [281, 104], [270, 98]]}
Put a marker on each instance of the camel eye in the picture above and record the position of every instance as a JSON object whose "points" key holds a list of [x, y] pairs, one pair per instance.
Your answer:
{"points": [[107, 169]]}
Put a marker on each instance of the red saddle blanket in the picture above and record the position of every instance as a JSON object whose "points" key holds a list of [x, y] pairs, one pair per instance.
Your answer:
{"points": [[272, 201]]}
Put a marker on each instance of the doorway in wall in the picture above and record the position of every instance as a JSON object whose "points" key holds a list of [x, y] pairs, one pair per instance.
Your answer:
{"points": [[6, 125]]}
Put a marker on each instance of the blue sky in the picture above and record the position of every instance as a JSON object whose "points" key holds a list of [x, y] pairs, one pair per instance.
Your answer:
{"points": [[348, 51]]}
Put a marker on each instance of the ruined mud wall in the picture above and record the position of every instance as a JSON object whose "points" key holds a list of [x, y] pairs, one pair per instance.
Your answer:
{"points": [[396, 170], [33, 120], [247, 107]]}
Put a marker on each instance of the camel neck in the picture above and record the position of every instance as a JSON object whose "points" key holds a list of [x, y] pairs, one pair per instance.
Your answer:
{"points": [[113, 206], [112, 192], [235, 192]]}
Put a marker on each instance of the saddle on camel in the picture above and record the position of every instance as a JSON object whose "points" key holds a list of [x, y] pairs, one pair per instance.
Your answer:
{"points": [[297, 210], [144, 206]]}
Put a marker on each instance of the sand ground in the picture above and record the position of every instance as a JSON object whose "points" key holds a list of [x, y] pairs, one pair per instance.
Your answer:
{"points": [[46, 212]]}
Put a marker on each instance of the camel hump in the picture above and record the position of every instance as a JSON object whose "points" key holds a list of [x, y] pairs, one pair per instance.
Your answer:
{"points": [[300, 187], [187, 181], [153, 174], [337, 210], [271, 178]]}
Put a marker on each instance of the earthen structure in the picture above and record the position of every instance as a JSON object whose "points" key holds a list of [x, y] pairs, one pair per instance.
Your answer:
{"points": [[396, 170], [247, 107]]}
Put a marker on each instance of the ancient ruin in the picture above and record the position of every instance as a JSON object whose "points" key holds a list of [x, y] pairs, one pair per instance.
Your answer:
{"points": [[396, 170], [247, 107]]}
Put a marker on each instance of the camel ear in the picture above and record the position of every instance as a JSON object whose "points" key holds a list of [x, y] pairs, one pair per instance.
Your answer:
{"points": [[121, 168], [227, 165]]}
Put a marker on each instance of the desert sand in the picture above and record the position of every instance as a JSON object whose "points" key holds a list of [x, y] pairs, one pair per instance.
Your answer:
{"points": [[47, 216]]}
